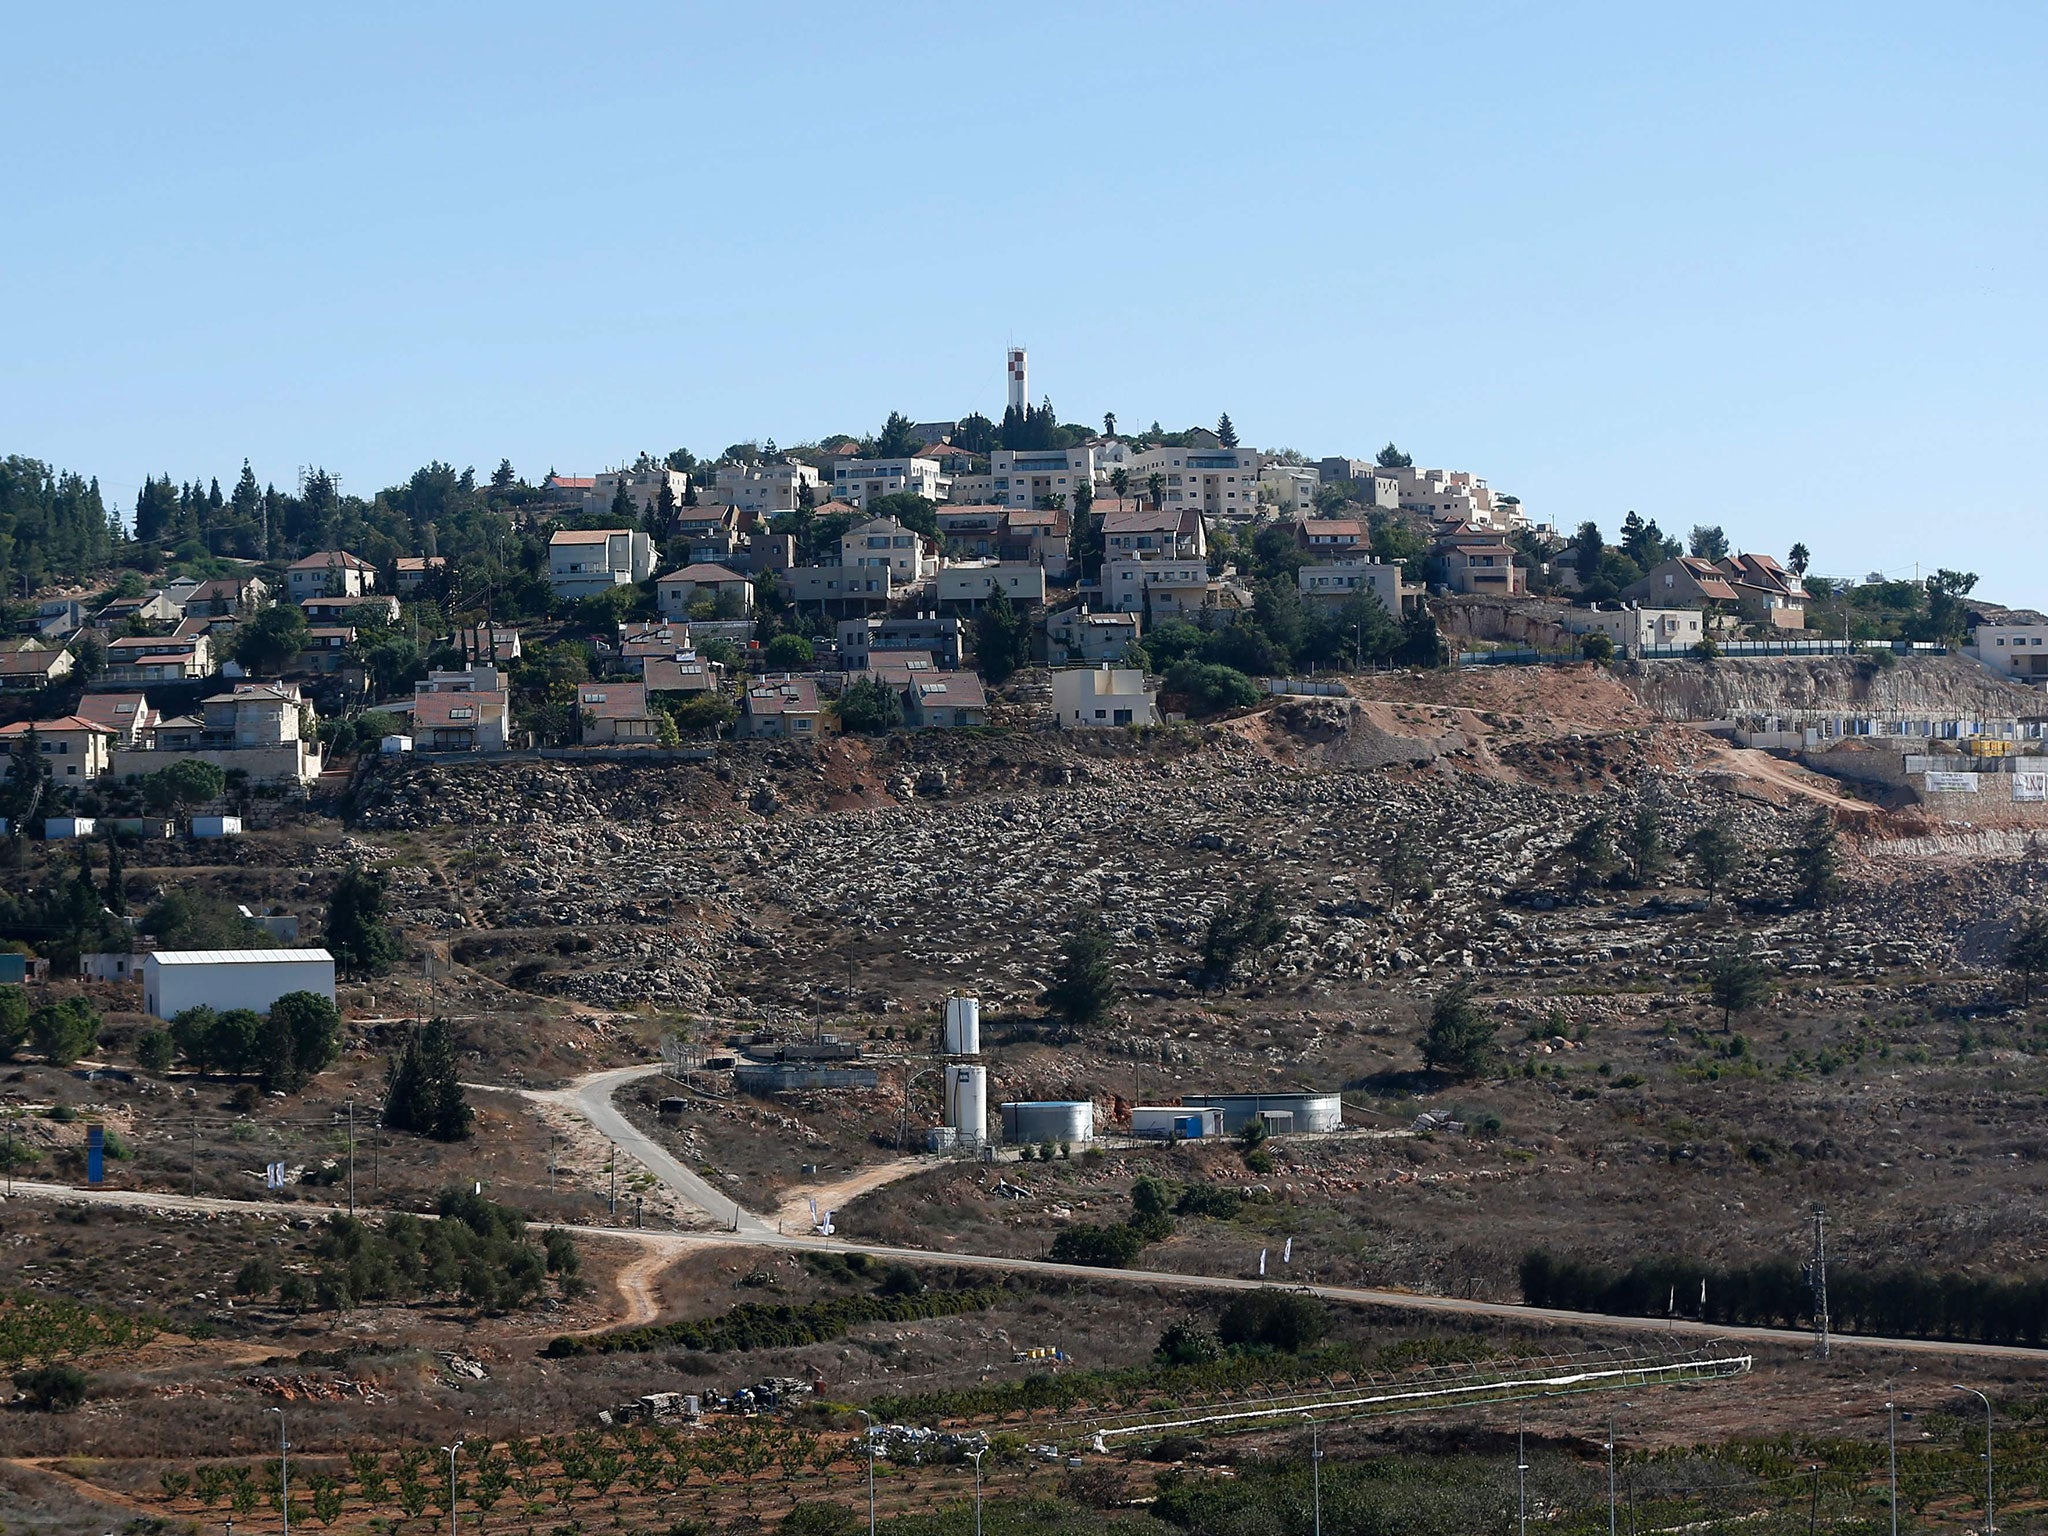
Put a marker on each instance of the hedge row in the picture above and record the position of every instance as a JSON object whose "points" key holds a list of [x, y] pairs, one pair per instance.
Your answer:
{"points": [[1900, 1302], [763, 1325]]}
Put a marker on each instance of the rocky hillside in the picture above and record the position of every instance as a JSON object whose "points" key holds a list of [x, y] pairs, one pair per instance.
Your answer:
{"points": [[1951, 686]]}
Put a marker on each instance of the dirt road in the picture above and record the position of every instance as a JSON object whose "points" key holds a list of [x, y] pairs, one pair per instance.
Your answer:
{"points": [[673, 1244]]}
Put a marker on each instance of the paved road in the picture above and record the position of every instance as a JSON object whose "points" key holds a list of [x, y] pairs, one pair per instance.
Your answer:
{"points": [[759, 1236], [591, 1097]]}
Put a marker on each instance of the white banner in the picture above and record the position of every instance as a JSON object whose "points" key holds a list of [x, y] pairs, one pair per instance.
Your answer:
{"points": [[1952, 783], [2030, 786]]}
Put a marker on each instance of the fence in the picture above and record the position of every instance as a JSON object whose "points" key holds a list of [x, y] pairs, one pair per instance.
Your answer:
{"points": [[1728, 650]]}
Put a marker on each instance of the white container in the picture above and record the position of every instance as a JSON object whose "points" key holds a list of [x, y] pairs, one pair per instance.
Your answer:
{"points": [[390, 746], [216, 826], [967, 1103], [963, 1026], [59, 829], [1054, 1120]]}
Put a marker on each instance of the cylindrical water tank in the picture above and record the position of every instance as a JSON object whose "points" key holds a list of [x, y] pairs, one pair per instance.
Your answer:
{"points": [[963, 1026], [967, 1103], [1055, 1120]]}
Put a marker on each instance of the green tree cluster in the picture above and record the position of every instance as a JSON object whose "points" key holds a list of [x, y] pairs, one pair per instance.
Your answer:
{"points": [[299, 1037], [358, 934], [1458, 1040], [1243, 926], [423, 1092], [478, 1251], [1083, 988]]}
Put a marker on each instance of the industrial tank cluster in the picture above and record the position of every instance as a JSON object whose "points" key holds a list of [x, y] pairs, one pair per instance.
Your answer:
{"points": [[965, 1113]]}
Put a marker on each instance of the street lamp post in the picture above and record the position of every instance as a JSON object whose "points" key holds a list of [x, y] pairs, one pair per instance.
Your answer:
{"points": [[1315, 1470], [871, 1468], [451, 1450], [284, 1473], [1522, 1473], [1891, 1445], [1990, 1519], [1612, 1507], [983, 1451]]}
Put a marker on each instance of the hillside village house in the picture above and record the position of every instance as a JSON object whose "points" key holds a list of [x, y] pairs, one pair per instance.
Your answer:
{"points": [[643, 485], [859, 481], [150, 608], [486, 642], [584, 561], [1335, 583], [640, 643], [2019, 650], [970, 583], [33, 667], [944, 700], [1146, 532], [1333, 538], [1026, 479], [884, 542], [134, 660], [711, 533], [225, 597], [1043, 536], [615, 714], [1219, 482], [760, 491], [1370, 485], [1685, 581], [837, 587], [128, 715], [783, 708], [333, 610], [1765, 591], [326, 648], [971, 531], [411, 572], [678, 591], [1077, 635], [1635, 629], [1086, 697], [76, 749], [1485, 568], [330, 573], [865, 643], [263, 729], [462, 711], [1128, 583], [1290, 487], [686, 673]]}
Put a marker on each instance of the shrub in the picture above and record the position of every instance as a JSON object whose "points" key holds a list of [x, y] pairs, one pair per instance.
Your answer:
{"points": [[789, 650], [1274, 1319], [1209, 1200], [1187, 1344], [777, 1325], [1101, 1247], [53, 1388], [155, 1051], [1210, 688], [64, 1031]]}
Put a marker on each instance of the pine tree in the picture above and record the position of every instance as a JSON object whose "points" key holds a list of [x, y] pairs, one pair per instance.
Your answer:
{"points": [[1084, 986], [2026, 950], [1245, 925], [1459, 1038], [1226, 430], [1736, 982], [1716, 855], [1645, 840], [1591, 851], [117, 889], [356, 930], [1817, 863], [423, 1091]]}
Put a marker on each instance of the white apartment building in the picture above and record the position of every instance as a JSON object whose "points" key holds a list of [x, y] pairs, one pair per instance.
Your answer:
{"points": [[1128, 583], [583, 561], [1633, 628], [1290, 487], [2017, 650], [643, 485], [1334, 584], [1454, 495], [1103, 696], [1218, 482], [854, 481], [1028, 478], [887, 543], [970, 583], [762, 490], [971, 490]]}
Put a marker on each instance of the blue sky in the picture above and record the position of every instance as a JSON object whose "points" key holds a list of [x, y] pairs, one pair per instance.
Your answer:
{"points": [[1775, 267]]}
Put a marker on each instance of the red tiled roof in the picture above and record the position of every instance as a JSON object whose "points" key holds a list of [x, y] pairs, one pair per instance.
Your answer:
{"points": [[613, 701], [62, 723]]}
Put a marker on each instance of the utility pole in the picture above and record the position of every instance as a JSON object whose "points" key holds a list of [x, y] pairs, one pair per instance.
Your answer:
{"points": [[284, 1473], [451, 1450], [1891, 1414], [351, 1157], [1817, 1280], [871, 1468], [1522, 1473], [1990, 1522], [615, 1178], [194, 1123]]}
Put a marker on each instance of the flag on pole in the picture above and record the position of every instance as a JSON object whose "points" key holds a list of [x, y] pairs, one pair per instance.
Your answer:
{"points": [[825, 1226], [1287, 1252], [273, 1175], [1262, 1262], [814, 1210]]}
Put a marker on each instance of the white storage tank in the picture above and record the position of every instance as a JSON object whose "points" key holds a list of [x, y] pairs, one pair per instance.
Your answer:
{"points": [[967, 1103], [963, 1026], [1302, 1111], [1054, 1120]]}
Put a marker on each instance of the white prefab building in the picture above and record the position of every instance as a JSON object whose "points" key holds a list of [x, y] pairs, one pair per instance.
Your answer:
{"points": [[1105, 696], [176, 979]]}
